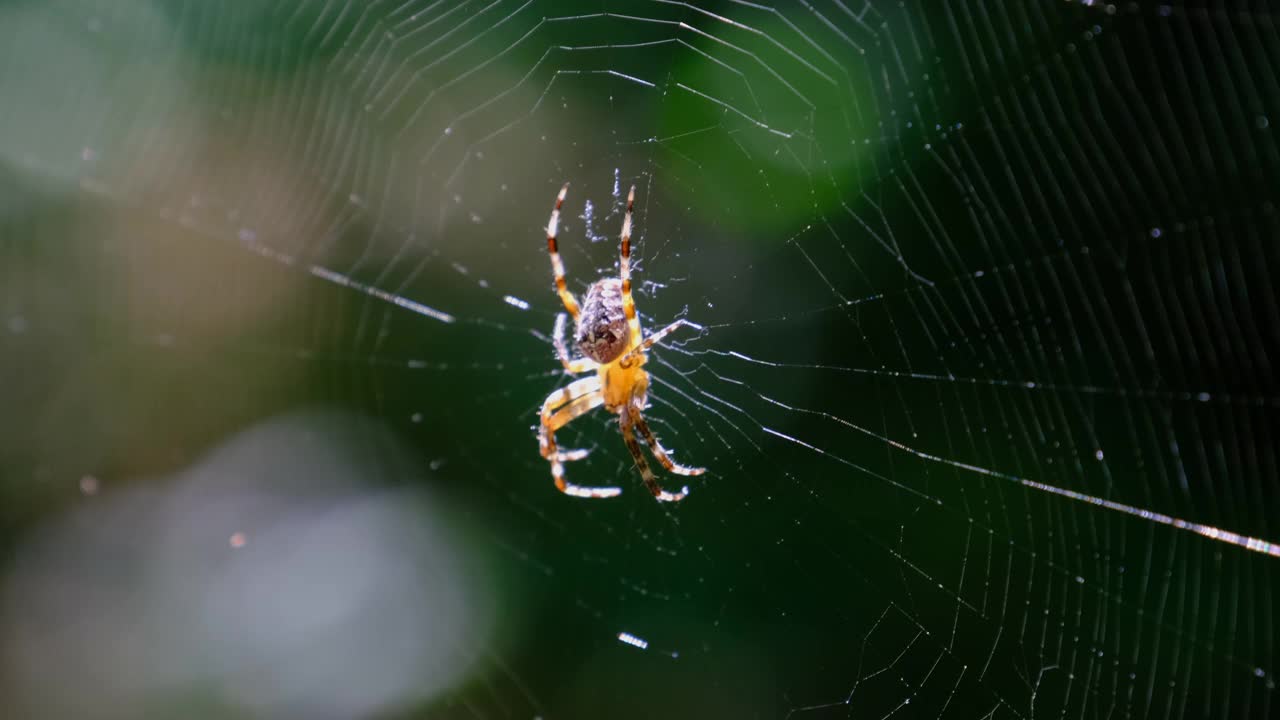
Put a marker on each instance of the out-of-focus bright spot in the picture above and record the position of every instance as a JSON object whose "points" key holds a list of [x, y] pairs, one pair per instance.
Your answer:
{"points": [[630, 639], [89, 485], [358, 599], [515, 302], [133, 66]]}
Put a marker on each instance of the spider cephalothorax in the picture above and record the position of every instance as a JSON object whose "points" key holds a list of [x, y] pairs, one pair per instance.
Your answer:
{"points": [[607, 333], [600, 332]]}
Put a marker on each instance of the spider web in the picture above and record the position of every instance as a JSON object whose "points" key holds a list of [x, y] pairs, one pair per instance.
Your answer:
{"points": [[984, 390]]}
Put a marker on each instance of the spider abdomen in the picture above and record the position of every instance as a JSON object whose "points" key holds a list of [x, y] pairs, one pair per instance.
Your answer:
{"points": [[601, 330]]}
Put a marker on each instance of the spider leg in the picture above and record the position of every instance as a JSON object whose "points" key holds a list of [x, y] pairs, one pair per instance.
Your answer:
{"points": [[573, 400], [626, 418], [657, 337], [565, 395], [565, 415], [557, 265], [624, 268], [659, 452], [562, 417], [574, 367]]}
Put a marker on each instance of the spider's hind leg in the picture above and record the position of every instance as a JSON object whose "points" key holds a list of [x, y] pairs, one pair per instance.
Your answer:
{"points": [[624, 271], [553, 249]]}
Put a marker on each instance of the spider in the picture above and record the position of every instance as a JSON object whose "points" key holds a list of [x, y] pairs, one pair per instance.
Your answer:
{"points": [[606, 331]]}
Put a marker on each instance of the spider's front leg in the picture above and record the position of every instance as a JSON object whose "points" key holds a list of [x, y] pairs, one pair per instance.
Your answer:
{"points": [[659, 452], [576, 398], [627, 419], [558, 409]]}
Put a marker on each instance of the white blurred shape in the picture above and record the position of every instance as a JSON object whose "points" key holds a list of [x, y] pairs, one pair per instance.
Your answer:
{"points": [[76, 88], [630, 639], [349, 600]]}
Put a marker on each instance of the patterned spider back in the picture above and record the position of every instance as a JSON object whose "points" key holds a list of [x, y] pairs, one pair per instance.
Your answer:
{"points": [[600, 331]]}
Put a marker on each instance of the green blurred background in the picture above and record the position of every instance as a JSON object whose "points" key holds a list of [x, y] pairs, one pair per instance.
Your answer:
{"points": [[275, 317]]}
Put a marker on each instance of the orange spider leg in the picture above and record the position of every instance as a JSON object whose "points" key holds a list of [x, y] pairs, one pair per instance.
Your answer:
{"points": [[557, 265], [624, 266], [657, 337], [567, 394], [577, 397], [564, 416], [659, 452], [626, 418]]}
